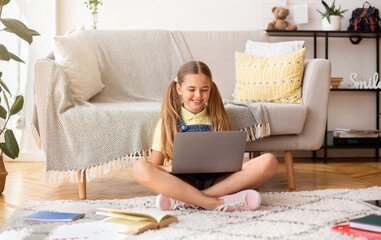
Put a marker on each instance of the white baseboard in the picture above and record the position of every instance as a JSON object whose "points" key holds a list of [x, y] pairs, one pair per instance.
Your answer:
{"points": [[38, 156]]}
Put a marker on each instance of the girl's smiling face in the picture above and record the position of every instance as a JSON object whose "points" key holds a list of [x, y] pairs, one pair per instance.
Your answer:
{"points": [[195, 91]]}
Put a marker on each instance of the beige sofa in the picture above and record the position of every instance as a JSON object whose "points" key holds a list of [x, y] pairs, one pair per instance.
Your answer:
{"points": [[293, 126]]}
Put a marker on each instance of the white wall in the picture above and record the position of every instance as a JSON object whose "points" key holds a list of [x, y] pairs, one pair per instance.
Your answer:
{"points": [[348, 110], [190, 14], [165, 14]]}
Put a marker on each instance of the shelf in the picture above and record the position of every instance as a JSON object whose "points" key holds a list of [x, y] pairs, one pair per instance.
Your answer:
{"points": [[339, 34], [320, 33], [331, 146], [353, 90]]}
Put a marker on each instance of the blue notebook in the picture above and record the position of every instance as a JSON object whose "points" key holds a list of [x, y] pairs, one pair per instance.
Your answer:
{"points": [[53, 217]]}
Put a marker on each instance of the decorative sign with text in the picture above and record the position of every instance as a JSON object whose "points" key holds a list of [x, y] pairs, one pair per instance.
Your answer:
{"points": [[372, 83]]}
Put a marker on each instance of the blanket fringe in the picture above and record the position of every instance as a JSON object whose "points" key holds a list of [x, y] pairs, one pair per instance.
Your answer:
{"points": [[257, 132], [75, 176], [36, 136]]}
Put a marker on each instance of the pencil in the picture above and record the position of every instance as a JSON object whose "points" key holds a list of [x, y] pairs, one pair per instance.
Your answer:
{"points": [[342, 222]]}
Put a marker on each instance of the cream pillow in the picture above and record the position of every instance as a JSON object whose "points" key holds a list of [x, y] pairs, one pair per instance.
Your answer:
{"points": [[266, 49], [276, 79], [76, 53]]}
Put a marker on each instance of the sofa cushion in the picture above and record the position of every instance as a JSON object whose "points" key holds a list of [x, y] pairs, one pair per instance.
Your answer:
{"points": [[137, 65], [275, 79], [286, 118], [76, 53]]}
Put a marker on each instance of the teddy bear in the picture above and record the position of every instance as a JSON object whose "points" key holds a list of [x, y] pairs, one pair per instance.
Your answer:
{"points": [[280, 23]]}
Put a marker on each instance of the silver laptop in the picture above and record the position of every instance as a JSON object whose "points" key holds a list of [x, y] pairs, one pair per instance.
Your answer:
{"points": [[206, 152]]}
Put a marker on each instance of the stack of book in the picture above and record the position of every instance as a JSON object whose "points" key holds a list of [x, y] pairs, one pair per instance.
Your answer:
{"points": [[368, 227], [354, 137]]}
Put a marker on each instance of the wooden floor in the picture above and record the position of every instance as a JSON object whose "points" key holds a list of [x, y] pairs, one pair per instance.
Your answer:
{"points": [[24, 182]]}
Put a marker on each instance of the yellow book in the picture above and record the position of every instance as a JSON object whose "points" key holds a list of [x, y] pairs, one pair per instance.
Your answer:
{"points": [[138, 221]]}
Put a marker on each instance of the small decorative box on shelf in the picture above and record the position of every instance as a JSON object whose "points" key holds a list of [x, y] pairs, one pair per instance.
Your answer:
{"points": [[350, 142], [335, 82], [370, 142]]}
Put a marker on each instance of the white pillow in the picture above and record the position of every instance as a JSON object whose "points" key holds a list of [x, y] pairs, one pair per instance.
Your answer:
{"points": [[76, 53], [266, 50]]}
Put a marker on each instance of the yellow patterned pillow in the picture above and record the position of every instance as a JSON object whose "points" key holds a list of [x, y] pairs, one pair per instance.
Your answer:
{"points": [[275, 79]]}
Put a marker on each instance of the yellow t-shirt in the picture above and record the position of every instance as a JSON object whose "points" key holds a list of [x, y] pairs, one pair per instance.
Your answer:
{"points": [[189, 119]]}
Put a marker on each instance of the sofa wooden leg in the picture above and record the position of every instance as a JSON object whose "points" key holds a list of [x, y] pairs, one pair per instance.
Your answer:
{"points": [[82, 185], [289, 161], [254, 154]]}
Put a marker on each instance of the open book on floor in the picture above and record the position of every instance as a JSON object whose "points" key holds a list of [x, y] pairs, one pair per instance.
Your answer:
{"points": [[138, 221]]}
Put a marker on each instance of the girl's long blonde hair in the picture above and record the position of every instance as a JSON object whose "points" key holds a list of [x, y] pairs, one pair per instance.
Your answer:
{"points": [[171, 107]]}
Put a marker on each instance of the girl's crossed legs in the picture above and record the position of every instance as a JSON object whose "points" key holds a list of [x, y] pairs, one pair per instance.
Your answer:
{"points": [[253, 174]]}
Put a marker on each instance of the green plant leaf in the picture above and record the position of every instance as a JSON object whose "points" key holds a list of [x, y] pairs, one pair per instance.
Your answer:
{"points": [[4, 54], [11, 143], [17, 105], [5, 2], [323, 14], [4, 86], [325, 6], [6, 100], [15, 57], [17, 27], [34, 32], [333, 6], [6, 151], [3, 112]]}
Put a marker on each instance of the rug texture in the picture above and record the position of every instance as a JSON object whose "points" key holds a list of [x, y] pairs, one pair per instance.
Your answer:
{"points": [[285, 215]]}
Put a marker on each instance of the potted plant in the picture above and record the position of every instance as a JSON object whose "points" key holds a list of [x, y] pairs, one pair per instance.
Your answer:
{"points": [[93, 6], [10, 106], [331, 18]]}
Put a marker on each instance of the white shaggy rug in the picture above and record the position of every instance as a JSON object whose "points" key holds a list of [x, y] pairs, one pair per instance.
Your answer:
{"points": [[285, 215]]}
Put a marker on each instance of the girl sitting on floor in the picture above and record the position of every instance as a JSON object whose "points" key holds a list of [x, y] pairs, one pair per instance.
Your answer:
{"points": [[192, 102]]}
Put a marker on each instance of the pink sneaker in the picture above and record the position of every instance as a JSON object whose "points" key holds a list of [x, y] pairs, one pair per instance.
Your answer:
{"points": [[240, 201], [168, 204]]}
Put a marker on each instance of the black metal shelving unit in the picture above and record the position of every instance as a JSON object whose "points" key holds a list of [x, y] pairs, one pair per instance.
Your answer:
{"points": [[338, 34]]}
